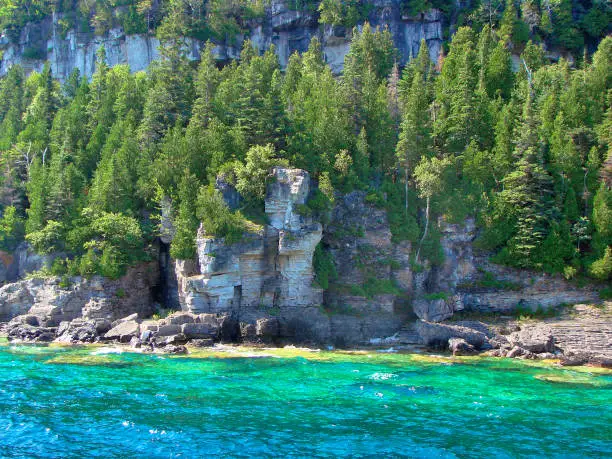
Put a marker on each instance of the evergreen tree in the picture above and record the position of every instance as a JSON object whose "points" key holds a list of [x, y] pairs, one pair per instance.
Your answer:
{"points": [[183, 245], [415, 139], [528, 191]]}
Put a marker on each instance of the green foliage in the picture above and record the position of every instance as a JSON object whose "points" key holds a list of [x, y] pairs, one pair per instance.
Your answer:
{"points": [[186, 223], [48, 239], [85, 165], [12, 229], [253, 176], [374, 286], [217, 219], [526, 313], [602, 268], [436, 296], [343, 12], [402, 221], [324, 268], [606, 293]]}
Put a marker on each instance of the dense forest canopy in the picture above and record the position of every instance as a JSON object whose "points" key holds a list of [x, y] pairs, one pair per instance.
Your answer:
{"points": [[86, 166]]}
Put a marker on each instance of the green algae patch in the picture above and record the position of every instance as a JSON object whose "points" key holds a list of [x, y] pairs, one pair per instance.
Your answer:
{"points": [[245, 352], [573, 379], [90, 360], [4, 341], [592, 370]]}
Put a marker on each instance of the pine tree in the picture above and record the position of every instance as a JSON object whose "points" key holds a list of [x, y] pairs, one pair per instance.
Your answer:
{"points": [[366, 68], [528, 191], [205, 87], [415, 139], [36, 192], [183, 245]]}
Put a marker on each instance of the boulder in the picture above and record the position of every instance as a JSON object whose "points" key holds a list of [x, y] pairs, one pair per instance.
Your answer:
{"points": [[168, 330], [438, 334], [200, 331], [78, 331], [179, 318], [202, 342], [19, 330], [516, 351], [102, 326], [433, 310], [173, 340], [146, 336], [459, 346], [267, 328], [124, 331], [537, 339], [175, 349], [135, 342], [130, 318]]}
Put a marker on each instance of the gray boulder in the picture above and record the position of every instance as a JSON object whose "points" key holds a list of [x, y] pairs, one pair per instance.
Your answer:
{"points": [[202, 342], [175, 349], [78, 331], [438, 334], [433, 310], [537, 339], [459, 346], [21, 329], [200, 331], [124, 331], [516, 351]]}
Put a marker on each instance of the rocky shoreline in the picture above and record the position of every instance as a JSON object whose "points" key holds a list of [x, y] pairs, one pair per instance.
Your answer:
{"points": [[582, 335]]}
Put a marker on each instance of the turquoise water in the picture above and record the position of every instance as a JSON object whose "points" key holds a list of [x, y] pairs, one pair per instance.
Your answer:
{"points": [[70, 403]]}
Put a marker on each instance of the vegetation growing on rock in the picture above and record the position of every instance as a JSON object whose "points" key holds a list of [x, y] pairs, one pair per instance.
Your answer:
{"points": [[86, 164]]}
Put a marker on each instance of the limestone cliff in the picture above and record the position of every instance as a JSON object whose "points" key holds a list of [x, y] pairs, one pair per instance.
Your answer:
{"points": [[53, 300], [467, 280], [263, 287], [287, 29]]}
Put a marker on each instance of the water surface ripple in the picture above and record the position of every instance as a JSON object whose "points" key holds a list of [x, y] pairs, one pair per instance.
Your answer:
{"points": [[72, 403]]}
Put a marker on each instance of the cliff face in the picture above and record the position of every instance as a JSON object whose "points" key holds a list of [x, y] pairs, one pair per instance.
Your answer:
{"points": [[265, 281], [264, 287], [53, 300], [286, 29]]}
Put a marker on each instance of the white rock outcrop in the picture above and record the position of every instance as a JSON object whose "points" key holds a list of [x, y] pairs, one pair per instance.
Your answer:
{"points": [[269, 268]]}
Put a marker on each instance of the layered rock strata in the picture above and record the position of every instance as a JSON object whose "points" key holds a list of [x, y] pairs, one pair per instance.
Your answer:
{"points": [[51, 301], [285, 28]]}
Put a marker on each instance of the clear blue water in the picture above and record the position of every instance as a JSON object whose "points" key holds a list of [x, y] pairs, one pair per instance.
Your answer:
{"points": [[70, 403]]}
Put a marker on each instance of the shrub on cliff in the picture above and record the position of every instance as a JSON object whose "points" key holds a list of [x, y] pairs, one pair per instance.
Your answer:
{"points": [[217, 218], [324, 268], [11, 229]]}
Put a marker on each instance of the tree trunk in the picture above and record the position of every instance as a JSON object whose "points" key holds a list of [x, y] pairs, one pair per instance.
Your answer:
{"points": [[424, 232]]}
